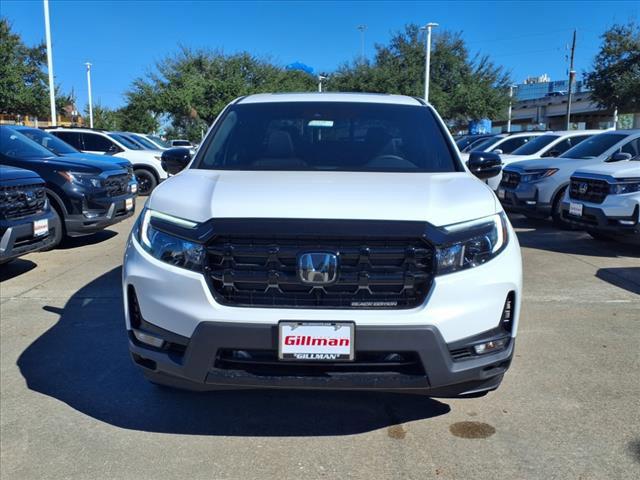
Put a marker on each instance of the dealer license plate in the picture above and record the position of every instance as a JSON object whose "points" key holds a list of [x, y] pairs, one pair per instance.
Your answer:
{"points": [[128, 203], [501, 193], [316, 341], [575, 209], [41, 228]]}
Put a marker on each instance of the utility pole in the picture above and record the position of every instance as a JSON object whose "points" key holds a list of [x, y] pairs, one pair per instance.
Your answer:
{"points": [[52, 91], [510, 107], [362, 28], [90, 98], [427, 62], [572, 75]]}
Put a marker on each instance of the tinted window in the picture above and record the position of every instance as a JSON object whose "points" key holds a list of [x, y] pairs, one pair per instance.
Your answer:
{"points": [[483, 144], [159, 141], [510, 144], [561, 147], [97, 143], [48, 141], [181, 143], [16, 145], [535, 145], [633, 147], [333, 136], [125, 141], [72, 138], [144, 142], [593, 147]]}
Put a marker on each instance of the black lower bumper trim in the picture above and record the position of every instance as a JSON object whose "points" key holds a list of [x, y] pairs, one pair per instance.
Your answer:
{"points": [[595, 219], [439, 375]]}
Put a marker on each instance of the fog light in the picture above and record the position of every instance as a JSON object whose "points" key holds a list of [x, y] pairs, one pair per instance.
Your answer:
{"points": [[530, 202], [148, 339], [491, 346], [626, 222], [90, 214]]}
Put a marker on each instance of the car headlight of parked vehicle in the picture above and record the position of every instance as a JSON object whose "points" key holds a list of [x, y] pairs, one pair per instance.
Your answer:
{"points": [[535, 175], [482, 240], [167, 247], [82, 179], [625, 186]]}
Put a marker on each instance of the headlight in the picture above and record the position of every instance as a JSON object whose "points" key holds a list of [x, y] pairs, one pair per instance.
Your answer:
{"points": [[535, 175], [487, 237], [623, 186], [83, 179], [169, 248]]}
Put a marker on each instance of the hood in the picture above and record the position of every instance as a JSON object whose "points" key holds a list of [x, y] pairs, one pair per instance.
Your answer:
{"points": [[625, 169], [100, 158], [83, 165], [13, 173], [437, 198], [562, 164]]}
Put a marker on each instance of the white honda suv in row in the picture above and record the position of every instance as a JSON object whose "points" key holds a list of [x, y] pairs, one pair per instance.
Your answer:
{"points": [[325, 241]]}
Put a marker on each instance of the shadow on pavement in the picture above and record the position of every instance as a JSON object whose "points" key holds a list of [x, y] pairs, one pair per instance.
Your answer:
{"points": [[98, 237], [83, 361], [627, 278], [14, 268], [542, 235]]}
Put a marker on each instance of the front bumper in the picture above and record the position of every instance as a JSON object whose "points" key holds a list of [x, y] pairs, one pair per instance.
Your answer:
{"points": [[99, 213], [202, 365], [17, 237], [524, 198], [606, 217], [178, 303]]}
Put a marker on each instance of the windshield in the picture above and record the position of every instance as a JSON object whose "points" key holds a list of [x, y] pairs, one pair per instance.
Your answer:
{"points": [[483, 145], [535, 145], [48, 141], [466, 141], [143, 141], [159, 141], [130, 144], [15, 145], [593, 147], [333, 136]]}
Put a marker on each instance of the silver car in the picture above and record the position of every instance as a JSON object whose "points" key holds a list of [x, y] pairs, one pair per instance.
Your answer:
{"points": [[535, 187]]}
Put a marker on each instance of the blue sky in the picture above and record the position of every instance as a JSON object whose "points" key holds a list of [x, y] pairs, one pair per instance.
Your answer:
{"points": [[123, 39]]}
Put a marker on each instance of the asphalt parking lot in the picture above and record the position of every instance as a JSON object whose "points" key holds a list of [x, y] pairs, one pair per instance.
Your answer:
{"points": [[73, 405]]}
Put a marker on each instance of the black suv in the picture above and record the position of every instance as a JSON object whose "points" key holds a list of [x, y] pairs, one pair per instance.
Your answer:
{"points": [[87, 195], [27, 223]]}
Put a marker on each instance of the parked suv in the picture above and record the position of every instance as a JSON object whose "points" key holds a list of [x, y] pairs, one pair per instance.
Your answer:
{"points": [[325, 241], [146, 163], [26, 220], [501, 144], [604, 200], [86, 196], [536, 187], [63, 149]]}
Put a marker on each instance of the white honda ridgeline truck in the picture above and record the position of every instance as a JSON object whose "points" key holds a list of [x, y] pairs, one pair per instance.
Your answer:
{"points": [[330, 241]]}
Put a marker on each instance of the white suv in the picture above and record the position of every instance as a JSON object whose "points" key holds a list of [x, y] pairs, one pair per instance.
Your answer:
{"points": [[325, 241], [604, 200], [146, 163]]}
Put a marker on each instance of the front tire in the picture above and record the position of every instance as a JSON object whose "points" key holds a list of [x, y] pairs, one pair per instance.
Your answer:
{"points": [[556, 211], [146, 181]]}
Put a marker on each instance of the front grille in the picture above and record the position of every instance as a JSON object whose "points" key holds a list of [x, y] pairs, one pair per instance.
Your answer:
{"points": [[588, 189], [510, 179], [372, 273], [19, 201], [117, 184]]}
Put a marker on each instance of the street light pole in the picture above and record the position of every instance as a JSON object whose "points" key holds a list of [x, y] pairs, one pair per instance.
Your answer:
{"points": [[510, 107], [427, 62], [572, 75], [90, 98], [52, 91], [320, 78], [362, 29]]}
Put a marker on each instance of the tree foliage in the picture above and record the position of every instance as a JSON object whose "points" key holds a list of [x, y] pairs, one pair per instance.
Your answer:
{"points": [[615, 79], [193, 86], [462, 87]]}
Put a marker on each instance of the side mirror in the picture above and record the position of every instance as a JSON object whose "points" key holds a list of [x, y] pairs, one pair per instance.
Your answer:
{"points": [[174, 160], [619, 157], [484, 164], [498, 151]]}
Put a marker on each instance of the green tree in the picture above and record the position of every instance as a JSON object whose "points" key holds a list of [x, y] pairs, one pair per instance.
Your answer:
{"points": [[462, 87], [193, 86], [104, 117], [23, 85], [615, 78]]}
